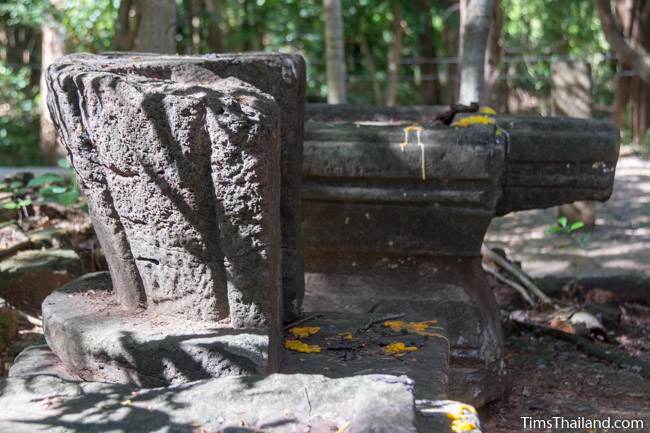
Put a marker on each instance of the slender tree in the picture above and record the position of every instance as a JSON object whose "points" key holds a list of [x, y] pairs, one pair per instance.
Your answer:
{"points": [[52, 47], [630, 41], [430, 85], [156, 31], [475, 18], [494, 86], [627, 50], [394, 56], [214, 21], [335, 53], [146, 26]]}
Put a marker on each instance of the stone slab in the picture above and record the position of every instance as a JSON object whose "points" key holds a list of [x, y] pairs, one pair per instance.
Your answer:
{"points": [[432, 416], [272, 404], [451, 289], [98, 340], [27, 277], [353, 344], [38, 359]]}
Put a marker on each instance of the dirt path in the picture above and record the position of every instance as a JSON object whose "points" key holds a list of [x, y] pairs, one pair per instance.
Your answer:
{"points": [[617, 254]]}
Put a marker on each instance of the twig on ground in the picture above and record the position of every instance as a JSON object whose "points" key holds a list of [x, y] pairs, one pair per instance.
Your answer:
{"points": [[301, 321], [521, 275], [380, 320], [518, 287], [28, 317], [590, 348]]}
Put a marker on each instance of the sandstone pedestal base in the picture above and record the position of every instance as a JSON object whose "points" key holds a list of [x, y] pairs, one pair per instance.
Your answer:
{"points": [[451, 288], [88, 331], [353, 344]]}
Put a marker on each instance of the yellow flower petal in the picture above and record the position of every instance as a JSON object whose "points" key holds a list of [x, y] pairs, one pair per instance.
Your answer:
{"points": [[473, 120], [305, 331], [299, 346], [398, 349], [487, 110]]}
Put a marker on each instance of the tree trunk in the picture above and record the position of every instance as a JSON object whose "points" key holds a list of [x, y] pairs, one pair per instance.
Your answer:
{"points": [[214, 29], [430, 86], [52, 47], [627, 51], [475, 22], [126, 26], [372, 68], [156, 32], [450, 37], [630, 35], [494, 88], [394, 57], [621, 99], [335, 53]]}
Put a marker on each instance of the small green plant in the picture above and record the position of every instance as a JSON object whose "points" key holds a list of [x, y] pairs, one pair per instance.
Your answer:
{"points": [[20, 193], [562, 227]]}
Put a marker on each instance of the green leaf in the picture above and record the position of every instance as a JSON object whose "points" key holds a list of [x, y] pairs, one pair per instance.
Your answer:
{"points": [[45, 179], [67, 198], [554, 229], [562, 221], [15, 184], [10, 205], [64, 163], [577, 225], [3, 186], [25, 202]]}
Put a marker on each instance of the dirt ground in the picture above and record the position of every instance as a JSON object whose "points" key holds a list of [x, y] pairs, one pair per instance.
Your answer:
{"points": [[551, 378]]}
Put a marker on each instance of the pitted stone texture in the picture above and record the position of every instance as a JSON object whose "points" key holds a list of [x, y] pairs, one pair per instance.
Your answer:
{"points": [[99, 341], [283, 77], [181, 170], [273, 404]]}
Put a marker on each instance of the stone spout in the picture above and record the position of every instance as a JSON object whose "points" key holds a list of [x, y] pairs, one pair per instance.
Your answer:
{"points": [[552, 161]]}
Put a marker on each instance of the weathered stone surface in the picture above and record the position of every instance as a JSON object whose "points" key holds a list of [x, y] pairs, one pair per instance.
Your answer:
{"points": [[38, 359], [393, 228], [451, 288], [272, 404], [352, 344], [27, 277], [98, 341], [181, 170], [381, 238]]}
